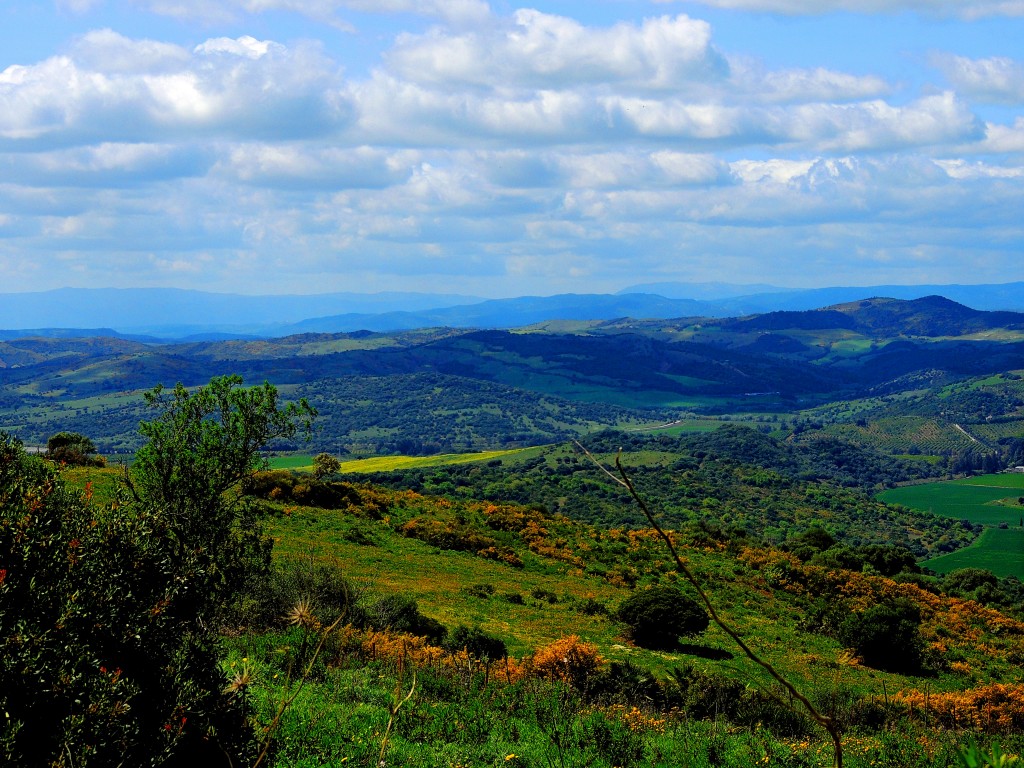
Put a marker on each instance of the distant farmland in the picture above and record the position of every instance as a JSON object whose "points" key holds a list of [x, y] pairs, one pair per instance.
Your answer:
{"points": [[990, 500]]}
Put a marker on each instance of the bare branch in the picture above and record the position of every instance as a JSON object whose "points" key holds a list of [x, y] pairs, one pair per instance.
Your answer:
{"points": [[824, 721]]}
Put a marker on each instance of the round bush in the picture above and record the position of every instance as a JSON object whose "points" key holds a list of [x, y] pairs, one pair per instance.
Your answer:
{"points": [[658, 616], [886, 636]]}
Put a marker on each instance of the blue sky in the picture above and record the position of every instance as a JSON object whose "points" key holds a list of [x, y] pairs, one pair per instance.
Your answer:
{"points": [[498, 149]]}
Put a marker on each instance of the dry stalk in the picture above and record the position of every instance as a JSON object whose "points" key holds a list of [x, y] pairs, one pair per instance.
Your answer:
{"points": [[288, 700], [393, 709], [824, 721]]}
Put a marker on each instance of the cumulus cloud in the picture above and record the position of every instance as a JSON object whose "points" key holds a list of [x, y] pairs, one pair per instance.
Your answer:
{"points": [[146, 91], [542, 50], [532, 147], [295, 165], [966, 9], [997, 80]]}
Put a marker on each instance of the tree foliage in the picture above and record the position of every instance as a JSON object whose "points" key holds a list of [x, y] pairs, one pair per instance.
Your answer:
{"points": [[658, 616], [324, 464], [72, 448], [886, 635], [109, 616]]}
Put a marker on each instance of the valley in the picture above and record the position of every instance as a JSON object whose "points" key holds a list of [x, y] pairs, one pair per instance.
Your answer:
{"points": [[833, 478]]}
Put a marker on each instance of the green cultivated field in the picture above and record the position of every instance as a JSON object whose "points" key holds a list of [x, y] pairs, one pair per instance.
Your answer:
{"points": [[986, 499], [998, 550], [974, 501]]}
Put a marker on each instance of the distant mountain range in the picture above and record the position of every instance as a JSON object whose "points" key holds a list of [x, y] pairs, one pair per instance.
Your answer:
{"points": [[152, 314], [476, 388]]}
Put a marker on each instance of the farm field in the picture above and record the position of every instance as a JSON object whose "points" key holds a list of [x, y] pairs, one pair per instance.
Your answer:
{"points": [[986, 499], [389, 463], [1000, 550], [976, 499]]}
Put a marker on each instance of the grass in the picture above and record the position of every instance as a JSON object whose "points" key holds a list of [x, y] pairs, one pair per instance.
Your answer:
{"points": [[297, 461], [989, 500], [1000, 550], [389, 463]]}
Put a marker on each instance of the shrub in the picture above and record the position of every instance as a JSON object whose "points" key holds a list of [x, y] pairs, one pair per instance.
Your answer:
{"points": [[658, 616], [568, 659], [73, 448], [318, 585], [401, 613], [324, 464], [886, 636], [476, 643]]}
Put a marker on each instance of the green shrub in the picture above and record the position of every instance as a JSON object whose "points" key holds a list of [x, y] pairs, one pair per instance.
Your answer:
{"points": [[658, 616], [886, 636], [476, 642], [319, 585], [73, 448], [401, 613]]}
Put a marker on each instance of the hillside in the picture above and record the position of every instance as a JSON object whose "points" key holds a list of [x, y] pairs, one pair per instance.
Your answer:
{"points": [[378, 392], [421, 626]]}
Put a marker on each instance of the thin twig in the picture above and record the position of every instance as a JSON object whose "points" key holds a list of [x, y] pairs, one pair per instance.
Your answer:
{"points": [[287, 702], [824, 721], [394, 711]]}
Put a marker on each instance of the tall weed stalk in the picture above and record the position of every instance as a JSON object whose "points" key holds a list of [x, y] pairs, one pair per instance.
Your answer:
{"points": [[824, 721]]}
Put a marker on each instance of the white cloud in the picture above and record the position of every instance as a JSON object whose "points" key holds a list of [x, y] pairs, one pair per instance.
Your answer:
{"points": [[295, 165], [147, 91], [965, 9], [542, 50], [998, 80]]}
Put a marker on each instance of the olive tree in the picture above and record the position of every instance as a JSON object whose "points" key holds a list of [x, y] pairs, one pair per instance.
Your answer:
{"points": [[658, 616]]}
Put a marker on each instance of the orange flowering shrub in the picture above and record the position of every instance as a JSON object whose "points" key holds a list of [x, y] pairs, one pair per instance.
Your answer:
{"points": [[994, 708], [568, 659]]}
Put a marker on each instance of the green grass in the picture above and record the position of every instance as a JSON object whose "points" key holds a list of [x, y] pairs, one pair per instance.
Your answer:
{"points": [[986, 499], [291, 462], [1008, 480], [1000, 550], [389, 463], [973, 499]]}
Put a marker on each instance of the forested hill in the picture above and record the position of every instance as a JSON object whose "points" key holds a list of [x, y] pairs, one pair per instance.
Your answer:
{"points": [[734, 479], [536, 384]]}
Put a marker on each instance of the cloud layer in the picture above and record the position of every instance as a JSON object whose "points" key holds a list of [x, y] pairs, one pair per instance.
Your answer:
{"points": [[527, 153]]}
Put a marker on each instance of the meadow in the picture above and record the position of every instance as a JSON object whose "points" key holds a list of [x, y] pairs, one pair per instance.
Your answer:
{"points": [[989, 500]]}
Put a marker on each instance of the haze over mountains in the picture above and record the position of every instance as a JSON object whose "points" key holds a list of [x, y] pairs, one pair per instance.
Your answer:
{"points": [[172, 314]]}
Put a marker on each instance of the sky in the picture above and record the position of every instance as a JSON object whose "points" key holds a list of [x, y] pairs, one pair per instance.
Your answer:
{"points": [[498, 149]]}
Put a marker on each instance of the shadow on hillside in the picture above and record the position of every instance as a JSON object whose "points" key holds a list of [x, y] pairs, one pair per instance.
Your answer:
{"points": [[704, 651]]}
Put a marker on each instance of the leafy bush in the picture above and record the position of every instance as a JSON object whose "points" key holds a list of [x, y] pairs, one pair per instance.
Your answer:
{"points": [[324, 464], [658, 616], [476, 643], [568, 659], [401, 613], [886, 636], [319, 585], [73, 448]]}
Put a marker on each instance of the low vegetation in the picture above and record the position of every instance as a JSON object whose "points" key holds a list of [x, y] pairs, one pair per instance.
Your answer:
{"points": [[203, 612]]}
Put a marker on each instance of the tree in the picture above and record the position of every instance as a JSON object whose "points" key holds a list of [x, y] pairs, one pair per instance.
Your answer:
{"points": [[72, 448], [324, 464], [886, 636], [109, 618], [658, 616]]}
